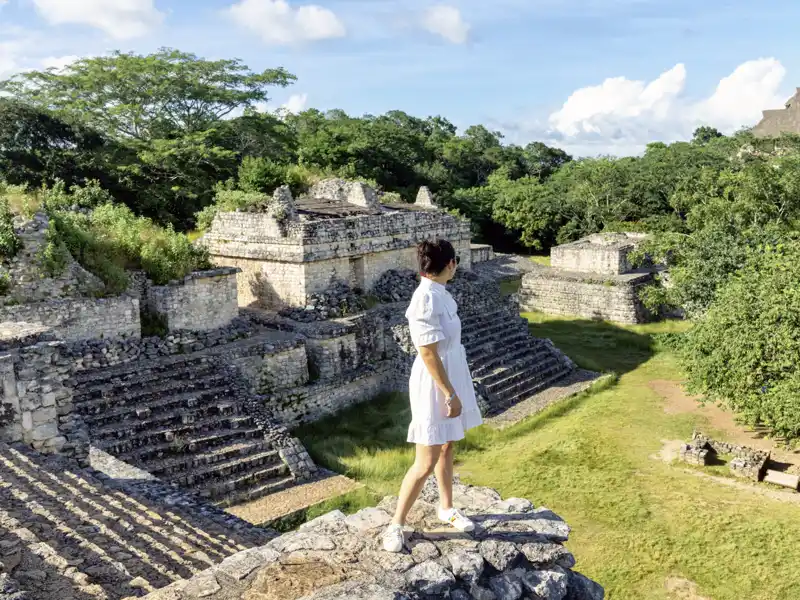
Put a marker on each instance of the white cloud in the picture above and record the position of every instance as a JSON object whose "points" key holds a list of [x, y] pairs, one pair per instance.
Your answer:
{"points": [[620, 115], [120, 19], [278, 23], [296, 103], [447, 22], [58, 62]]}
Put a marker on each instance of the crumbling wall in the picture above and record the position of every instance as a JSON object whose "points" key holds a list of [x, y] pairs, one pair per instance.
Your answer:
{"points": [[204, 300], [605, 253], [74, 319], [36, 404], [593, 297]]}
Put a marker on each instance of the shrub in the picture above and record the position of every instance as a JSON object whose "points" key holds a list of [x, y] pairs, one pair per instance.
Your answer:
{"points": [[9, 241], [745, 351], [5, 283]]}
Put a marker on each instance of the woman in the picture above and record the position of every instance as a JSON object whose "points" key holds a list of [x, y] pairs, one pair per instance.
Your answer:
{"points": [[443, 404]]}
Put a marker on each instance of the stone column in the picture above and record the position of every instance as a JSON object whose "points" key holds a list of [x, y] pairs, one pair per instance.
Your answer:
{"points": [[361, 194]]}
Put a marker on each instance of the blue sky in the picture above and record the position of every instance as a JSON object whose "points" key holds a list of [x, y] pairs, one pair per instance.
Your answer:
{"points": [[593, 76]]}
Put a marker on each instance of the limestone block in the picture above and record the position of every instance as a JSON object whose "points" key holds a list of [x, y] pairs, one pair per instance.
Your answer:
{"points": [[45, 431], [425, 198]]}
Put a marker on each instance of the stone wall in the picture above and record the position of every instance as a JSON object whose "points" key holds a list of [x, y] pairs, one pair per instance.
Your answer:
{"points": [[73, 319], [36, 401], [613, 298], [481, 253], [283, 369], [203, 301], [604, 253]]}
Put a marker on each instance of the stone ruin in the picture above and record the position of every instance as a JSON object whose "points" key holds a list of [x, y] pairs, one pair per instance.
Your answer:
{"points": [[590, 278], [517, 552], [746, 463], [202, 412]]}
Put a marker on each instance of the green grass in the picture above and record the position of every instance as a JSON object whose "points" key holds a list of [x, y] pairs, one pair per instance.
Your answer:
{"points": [[636, 521], [541, 260]]}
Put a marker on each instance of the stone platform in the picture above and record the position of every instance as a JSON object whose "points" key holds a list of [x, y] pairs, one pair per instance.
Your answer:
{"points": [[516, 552], [72, 533]]}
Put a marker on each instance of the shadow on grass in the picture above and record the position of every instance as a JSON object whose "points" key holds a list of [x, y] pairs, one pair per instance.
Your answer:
{"points": [[597, 345]]}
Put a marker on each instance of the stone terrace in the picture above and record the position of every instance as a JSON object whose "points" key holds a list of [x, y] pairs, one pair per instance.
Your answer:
{"points": [[516, 552], [72, 533]]}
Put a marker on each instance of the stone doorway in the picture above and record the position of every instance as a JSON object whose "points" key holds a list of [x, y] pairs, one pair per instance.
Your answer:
{"points": [[357, 274]]}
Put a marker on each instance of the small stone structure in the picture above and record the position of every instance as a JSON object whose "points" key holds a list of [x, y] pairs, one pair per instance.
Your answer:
{"points": [[339, 233], [203, 301], [746, 463], [783, 120], [481, 253], [516, 552], [590, 278]]}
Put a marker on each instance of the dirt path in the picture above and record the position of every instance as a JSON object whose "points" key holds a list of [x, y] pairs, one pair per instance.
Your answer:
{"points": [[676, 402]]}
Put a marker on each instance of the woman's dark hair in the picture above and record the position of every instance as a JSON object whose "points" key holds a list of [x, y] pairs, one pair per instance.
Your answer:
{"points": [[435, 256]]}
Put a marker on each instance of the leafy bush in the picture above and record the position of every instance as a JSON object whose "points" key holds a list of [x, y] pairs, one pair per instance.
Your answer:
{"points": [[55, 255], [745, 351], [57, 197], [9, 241]]}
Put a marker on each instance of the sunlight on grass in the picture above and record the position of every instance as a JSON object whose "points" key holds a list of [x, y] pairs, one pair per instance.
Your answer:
{"points": [[636, 520], [541, 260]]}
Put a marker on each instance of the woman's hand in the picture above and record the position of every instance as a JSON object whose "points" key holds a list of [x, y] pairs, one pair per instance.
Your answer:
{"points": [[454, 408]]}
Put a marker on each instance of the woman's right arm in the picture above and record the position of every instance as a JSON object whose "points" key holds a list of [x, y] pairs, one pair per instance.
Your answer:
{"points": [[433, 362]]}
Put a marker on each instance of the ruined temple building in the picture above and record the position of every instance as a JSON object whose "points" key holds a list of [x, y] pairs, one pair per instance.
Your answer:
{"points": [[590, 278], [780, 120]]}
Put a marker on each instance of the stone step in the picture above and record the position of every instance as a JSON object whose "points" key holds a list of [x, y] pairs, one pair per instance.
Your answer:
{"points": [[126, 371], [474, 318], [99, 396], [528, 387], [209, 441], [256, 475], [518, 373], [223, 470], [489, 365], [477, 353], [254, 492], [494, 330], [144, 433], [150, 409], [786, 480], [197, 458]]}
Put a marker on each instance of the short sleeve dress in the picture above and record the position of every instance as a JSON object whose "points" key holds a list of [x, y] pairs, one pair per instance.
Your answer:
{"points": [[433, 318]]}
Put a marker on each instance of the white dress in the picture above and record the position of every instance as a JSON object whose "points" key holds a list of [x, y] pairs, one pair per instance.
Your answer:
{"points": [[433, 317]]}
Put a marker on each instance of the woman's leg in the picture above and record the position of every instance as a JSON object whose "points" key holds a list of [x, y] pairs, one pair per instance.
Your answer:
{"points": [[414, 481], [444, 476]]}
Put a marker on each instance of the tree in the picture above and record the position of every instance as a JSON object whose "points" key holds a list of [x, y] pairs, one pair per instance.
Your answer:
{"points": [[146, 97], [37, 147], [745, 351], [703, 135], [541, 161]]}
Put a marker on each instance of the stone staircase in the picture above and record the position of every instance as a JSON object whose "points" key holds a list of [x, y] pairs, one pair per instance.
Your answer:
{"points": [[72, 533], [508, 364], [182, 419]]}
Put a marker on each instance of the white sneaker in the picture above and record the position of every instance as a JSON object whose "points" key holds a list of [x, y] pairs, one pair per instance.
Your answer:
{"points": [[457, 519], [393, 539]]}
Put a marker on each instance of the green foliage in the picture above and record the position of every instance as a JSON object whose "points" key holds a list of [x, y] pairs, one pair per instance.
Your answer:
{"points": [[745, 351], [9, 241], [5, 282], [54, 255]]}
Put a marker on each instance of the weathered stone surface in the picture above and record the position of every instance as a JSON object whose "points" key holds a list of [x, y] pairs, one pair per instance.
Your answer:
{"points": [[467, 566], [202, 586], [548, 584], [368, 519], [499, 554], [545, 554], [580, 587], [430, 578], [506, 587], [444, 566]]}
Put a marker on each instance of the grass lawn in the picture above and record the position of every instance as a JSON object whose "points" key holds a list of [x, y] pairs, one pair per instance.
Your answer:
{"points": [[636, 521]]}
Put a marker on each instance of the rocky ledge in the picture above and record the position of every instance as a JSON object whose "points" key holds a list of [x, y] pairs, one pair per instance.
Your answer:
{"points": [[516, 552]]}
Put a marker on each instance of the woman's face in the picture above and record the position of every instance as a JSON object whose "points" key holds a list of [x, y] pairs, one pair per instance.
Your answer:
{"points": [[452, 268]]}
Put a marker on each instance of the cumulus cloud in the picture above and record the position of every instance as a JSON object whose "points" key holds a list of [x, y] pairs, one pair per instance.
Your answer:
{"points": [[276, 22], [58, 62], [296, 103], [120, 19], [447, 22], [620, 115]]}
